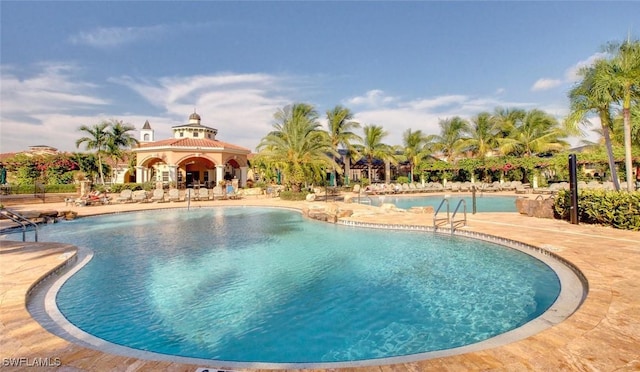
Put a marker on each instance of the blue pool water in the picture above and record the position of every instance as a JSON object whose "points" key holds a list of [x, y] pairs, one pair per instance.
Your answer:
{"points": [[484, 203], [267, 285]]}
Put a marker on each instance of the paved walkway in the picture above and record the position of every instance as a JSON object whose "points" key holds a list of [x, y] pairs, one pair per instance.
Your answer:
{"points": [[602, 335]]}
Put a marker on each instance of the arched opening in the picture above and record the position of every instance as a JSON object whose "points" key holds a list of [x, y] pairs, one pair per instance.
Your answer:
{"points": [[196, 172]]}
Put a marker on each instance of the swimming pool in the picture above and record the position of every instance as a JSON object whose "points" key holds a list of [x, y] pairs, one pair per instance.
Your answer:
{"points": [[484, 203], [265, 285]]}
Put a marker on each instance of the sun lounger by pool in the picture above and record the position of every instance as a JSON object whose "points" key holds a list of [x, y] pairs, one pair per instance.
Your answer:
{"points": [[158, 196], [202, 194], [174, 195], [125, 196], [139, 196], [218, 193]]}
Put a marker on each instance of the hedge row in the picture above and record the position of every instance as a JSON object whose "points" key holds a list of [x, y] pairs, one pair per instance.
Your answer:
{"points": [[31, 189], [612, 208]]}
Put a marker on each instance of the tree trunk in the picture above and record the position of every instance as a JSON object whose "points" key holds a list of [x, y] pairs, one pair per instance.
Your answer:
{"points": [[626, 114], [612, 162]]}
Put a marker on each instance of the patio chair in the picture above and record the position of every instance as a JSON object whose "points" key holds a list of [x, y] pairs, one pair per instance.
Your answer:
{"points": [[202, 194], [174, 195], [125, 196], [218, 193], [158, 196], [139, 196], [231, 193]]}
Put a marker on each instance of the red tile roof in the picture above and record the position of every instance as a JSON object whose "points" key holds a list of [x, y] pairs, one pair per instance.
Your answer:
{"points": [[192, 142]]}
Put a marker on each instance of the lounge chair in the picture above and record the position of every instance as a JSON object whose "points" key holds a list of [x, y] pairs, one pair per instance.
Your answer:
{"points": [[174, 195], [158, 196], [125, 196], [139, 196], [202, 194], [218, 193], [231, 193]]}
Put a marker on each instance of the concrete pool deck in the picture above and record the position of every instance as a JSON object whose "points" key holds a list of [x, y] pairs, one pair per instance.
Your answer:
{"points": [[602, 335]]}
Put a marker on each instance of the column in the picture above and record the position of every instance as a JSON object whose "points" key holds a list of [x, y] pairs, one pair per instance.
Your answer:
{"points": [[243, 176], [173, 176], [219, 173], [140, 174]]}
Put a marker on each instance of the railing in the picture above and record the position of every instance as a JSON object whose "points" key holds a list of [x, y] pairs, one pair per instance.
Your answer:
{"points": [[435, 215], [453, 217], [22, 221]]}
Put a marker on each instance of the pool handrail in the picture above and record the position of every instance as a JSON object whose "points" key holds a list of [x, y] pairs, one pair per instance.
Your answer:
{"points": [[22, 221], [435, 215], [464, 220]]}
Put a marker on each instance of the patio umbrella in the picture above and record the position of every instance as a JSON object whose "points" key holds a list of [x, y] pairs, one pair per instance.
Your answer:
{"points": [[332, 179], [3, 175]]}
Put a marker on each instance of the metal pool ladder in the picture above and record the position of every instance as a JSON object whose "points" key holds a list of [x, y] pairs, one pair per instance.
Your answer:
{"points": [[451, 220], [453, 217], [435, 215], [22, 221]]}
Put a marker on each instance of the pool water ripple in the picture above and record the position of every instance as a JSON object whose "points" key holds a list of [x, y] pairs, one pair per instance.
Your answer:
{"points": [[265, 285]]}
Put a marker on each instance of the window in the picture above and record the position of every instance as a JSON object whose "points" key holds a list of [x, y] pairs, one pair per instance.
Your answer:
{"points": [[146, 136], [195, 134], [165, 176], [181, 134]]}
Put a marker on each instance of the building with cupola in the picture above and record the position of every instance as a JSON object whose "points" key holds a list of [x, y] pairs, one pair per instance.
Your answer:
{"points": [[192, 158]]}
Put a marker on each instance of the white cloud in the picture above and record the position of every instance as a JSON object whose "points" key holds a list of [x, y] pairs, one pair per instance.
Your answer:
{"points": [[224, 101], [570, 75], [38, 110], [372, 98], [104, 37], [545, 84]]}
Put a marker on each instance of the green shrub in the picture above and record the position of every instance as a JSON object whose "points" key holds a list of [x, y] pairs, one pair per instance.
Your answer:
{"points": [[612, 208], [402, 179], [62, 188], [290, 195]]}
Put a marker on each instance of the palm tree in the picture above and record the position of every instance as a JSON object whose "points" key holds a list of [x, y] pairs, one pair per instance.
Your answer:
{"points": [[482, 135], [119, 139], [341, 124], [298, 146], [450, 140], [97, 139], [590, 97], [506, 120], [372, 147], [538, 133], [623, 78], [416, 149]]}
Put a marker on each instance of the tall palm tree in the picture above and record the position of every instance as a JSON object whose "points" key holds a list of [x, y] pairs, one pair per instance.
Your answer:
{"points": [[506, 120], [297, 145], [482, 135], [97, 139], [538, 133], [415, 149], [589, 97], [341, 125], [372, 147], [624, 79], [119, 139], [450, 141]]}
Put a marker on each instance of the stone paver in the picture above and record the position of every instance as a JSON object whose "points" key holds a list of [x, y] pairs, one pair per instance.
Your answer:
{"points": [[602, 335]]}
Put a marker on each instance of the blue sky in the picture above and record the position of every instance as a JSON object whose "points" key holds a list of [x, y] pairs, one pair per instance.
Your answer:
{"points": [[396, 64]]}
